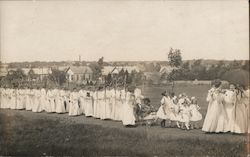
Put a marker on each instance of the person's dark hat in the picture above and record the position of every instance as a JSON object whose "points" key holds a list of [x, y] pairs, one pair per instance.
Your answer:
{"points": [[164, 93]]}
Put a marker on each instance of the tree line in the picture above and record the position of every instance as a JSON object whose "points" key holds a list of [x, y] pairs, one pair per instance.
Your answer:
{"points": [[197, 70]]}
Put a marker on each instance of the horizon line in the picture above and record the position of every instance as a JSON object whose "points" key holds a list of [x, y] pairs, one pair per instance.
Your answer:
{"points": [[121, 60]]}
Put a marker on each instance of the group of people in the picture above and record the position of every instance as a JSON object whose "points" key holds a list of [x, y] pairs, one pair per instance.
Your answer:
{"points": [[228, 110], [182, 110], [114, 104]]}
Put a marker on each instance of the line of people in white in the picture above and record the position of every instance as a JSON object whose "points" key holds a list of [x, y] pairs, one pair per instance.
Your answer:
{"points": [[104, 104], [228, 110]]}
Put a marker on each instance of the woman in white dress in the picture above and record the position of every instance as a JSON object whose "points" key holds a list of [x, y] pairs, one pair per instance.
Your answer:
{"points": [[102, 105], [1, 97], [37, 101], [31, 99], [118, 105], [4, 97], [239, 114], [26, 99], [20, 97], [246, 102], [82, 94], [13, 99], [59, 99], [43, 99], [138, 96], [67, 100], [164, 110], [50, 101], [113, 101], [95, 104], [9, 94], [230, 100], [128, 117], [88, 99], [74, 107], [216, 119], [108, 102], [124, 101]]}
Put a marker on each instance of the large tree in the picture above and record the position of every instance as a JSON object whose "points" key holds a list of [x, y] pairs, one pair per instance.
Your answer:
{"points": [[16, 77], [174, 57], [175, 61]]}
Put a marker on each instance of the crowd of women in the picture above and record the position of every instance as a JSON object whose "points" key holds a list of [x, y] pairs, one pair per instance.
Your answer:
{"points": [[228, 109], [102, 103]]}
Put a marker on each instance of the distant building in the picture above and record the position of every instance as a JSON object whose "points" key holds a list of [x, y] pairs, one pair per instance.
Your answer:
{"points": [[166, 69], [79, 74], [41, 73], [116, 69], [3, 70], [34, 74]]}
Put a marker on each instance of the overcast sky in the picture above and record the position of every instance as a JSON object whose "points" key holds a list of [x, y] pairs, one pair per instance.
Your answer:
{"points": [[123, 30]]}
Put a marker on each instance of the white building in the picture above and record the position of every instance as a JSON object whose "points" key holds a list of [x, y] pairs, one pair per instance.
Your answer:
{"points": [[79, 74]]}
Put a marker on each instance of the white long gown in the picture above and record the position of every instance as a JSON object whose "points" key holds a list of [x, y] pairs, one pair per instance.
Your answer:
{"points": [[89, 111], [43, 99], [118, 106], [239, 118], [216, 119], [108, 106], [96, 105], [20, 100], [128, 117], [53, 100], [82, 94], [13, 99], [4, 97], [27, 99], [37, 101], [230, 100], [112, 101], [48, 107], [164, 111], [1, 97], [59, 99], [102, 104], [74, 108], [31, 99], [246, 102]]}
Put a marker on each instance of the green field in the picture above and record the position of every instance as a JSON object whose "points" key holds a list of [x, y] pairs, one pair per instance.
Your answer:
{"points": [[24, 133]]}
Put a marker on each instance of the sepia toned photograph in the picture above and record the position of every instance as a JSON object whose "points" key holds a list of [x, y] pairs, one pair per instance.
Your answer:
{"points": [[124, 78]]}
